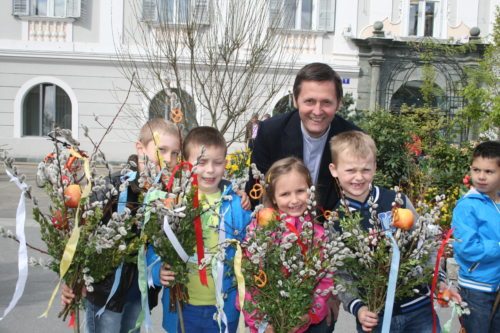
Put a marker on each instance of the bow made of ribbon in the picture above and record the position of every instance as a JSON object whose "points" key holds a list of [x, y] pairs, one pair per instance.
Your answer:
{"points": [[22, 263]]}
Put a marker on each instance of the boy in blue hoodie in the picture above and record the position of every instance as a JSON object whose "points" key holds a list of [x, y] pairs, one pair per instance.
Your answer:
{"points": [[229, 221], [476, 223]]}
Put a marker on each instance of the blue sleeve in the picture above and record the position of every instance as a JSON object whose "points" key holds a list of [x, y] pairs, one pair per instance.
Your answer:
{"points": [[241, 216], [468, 241], [153, 259]]}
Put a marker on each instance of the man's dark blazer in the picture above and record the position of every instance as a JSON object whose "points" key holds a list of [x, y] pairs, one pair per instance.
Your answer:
{"points": [[281, 136]]}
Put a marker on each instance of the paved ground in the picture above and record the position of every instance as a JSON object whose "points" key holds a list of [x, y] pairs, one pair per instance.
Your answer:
{"points": [[24, 318]]}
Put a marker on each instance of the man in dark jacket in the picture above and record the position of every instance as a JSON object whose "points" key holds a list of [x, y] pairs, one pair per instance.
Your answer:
{"points": [[305, 132]]}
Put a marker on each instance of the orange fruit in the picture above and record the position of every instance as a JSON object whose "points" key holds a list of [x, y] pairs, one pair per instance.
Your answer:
{"points": [[265, 216], [403, 218], [443, 297], [72, 195]]}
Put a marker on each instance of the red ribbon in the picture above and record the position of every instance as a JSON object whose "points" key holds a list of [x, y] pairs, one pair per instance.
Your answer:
{"points": [[435, 277], [198, 231], [71, 323], [293, 229]]}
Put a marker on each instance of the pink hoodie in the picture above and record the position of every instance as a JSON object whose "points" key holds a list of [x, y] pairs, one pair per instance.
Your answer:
{"points": [[318, 310]]}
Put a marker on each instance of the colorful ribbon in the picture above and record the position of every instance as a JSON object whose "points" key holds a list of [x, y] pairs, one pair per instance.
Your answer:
{"points": [[22, 263], [200, 249], [173, 239], [240, 280], [156, 139], [435, 277], [391, 286], [386, 219]]}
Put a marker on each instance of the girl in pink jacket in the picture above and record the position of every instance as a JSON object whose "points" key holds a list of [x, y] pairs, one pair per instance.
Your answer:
{"points": [[287, 184]]}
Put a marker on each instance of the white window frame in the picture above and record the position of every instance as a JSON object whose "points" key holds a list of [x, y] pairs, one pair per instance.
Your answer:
{"points": [[25, 89], [322, 16], [23, 8], [437, 22], [198, 10]]}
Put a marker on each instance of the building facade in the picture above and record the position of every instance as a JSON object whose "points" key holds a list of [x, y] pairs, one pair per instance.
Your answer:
{"points": [[60, 60]]}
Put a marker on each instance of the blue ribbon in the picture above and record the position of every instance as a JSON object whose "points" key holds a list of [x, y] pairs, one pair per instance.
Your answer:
{"points": [[122, 204], [386, 219], [116, 282]]}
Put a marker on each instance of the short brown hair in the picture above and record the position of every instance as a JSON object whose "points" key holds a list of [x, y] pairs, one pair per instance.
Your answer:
{"points": [[203, 136], [356, 142], [159, 125], [318, 71], [282, 167]]}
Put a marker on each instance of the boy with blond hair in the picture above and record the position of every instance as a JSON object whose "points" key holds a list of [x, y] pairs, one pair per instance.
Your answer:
{"points": [[158, 146], [228, 220], [354, 155]]}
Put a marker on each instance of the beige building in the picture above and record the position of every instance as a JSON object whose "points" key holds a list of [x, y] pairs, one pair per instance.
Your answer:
{"points": [[59, 62]]}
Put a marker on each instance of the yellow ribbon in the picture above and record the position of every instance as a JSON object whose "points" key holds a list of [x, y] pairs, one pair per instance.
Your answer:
{"points": [[241, 285], [70, 248], [156, 139]]}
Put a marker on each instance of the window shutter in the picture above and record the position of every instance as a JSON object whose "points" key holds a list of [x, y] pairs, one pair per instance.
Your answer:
{"points": [[201, 12], [326, 15], [73, 8], [275, 19], [20, 7], [149, 11]]}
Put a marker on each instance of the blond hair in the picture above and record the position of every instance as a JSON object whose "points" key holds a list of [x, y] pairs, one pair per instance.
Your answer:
{"points": [[280, 168], [356, 143], [159, 125]]}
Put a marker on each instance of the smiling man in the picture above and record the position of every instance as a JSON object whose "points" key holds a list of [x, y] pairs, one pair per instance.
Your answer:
{"points": [[305, 132]]}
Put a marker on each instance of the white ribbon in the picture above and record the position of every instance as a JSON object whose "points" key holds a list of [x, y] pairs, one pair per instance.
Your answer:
{"points": [[218, 276], [22, 263], [173, 239]]}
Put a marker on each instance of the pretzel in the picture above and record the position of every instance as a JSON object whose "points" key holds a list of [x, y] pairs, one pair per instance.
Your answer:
{"points": [[327, 214], [176, 115], [260, 279], [256, 192]]}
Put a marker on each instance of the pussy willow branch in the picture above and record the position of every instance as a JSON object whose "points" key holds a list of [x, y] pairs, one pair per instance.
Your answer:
{"points": [[30, 246]]}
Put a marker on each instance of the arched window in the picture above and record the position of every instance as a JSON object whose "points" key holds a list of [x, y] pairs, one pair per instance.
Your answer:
{"points": [[285, 104], [161, 104], [410, 94], [45, 106]]}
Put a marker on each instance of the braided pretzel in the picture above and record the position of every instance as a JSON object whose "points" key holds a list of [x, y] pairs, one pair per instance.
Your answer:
{"points": [[176, 115], [327, 214], [256, 192], [260, 279]]}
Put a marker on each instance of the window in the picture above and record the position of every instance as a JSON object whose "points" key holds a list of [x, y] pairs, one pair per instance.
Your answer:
{"points": [[45, 106], [47, 8], [423, 18], [176, 11], [302, 14], [161, 105]]}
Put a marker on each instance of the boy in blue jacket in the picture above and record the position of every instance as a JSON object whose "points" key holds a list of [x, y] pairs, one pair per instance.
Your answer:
{"points": [[228, 222], [476, 223]]}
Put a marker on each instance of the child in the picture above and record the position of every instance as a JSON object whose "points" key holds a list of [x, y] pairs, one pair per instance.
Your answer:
{"points": [[124, 306], [353, 165], [476, 223], [287, 182], [201, 308]]}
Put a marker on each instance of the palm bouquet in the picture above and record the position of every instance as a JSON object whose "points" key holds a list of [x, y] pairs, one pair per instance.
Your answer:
{"points": [[169, 227], [369, 252], [284, 266], [85, 239]]}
